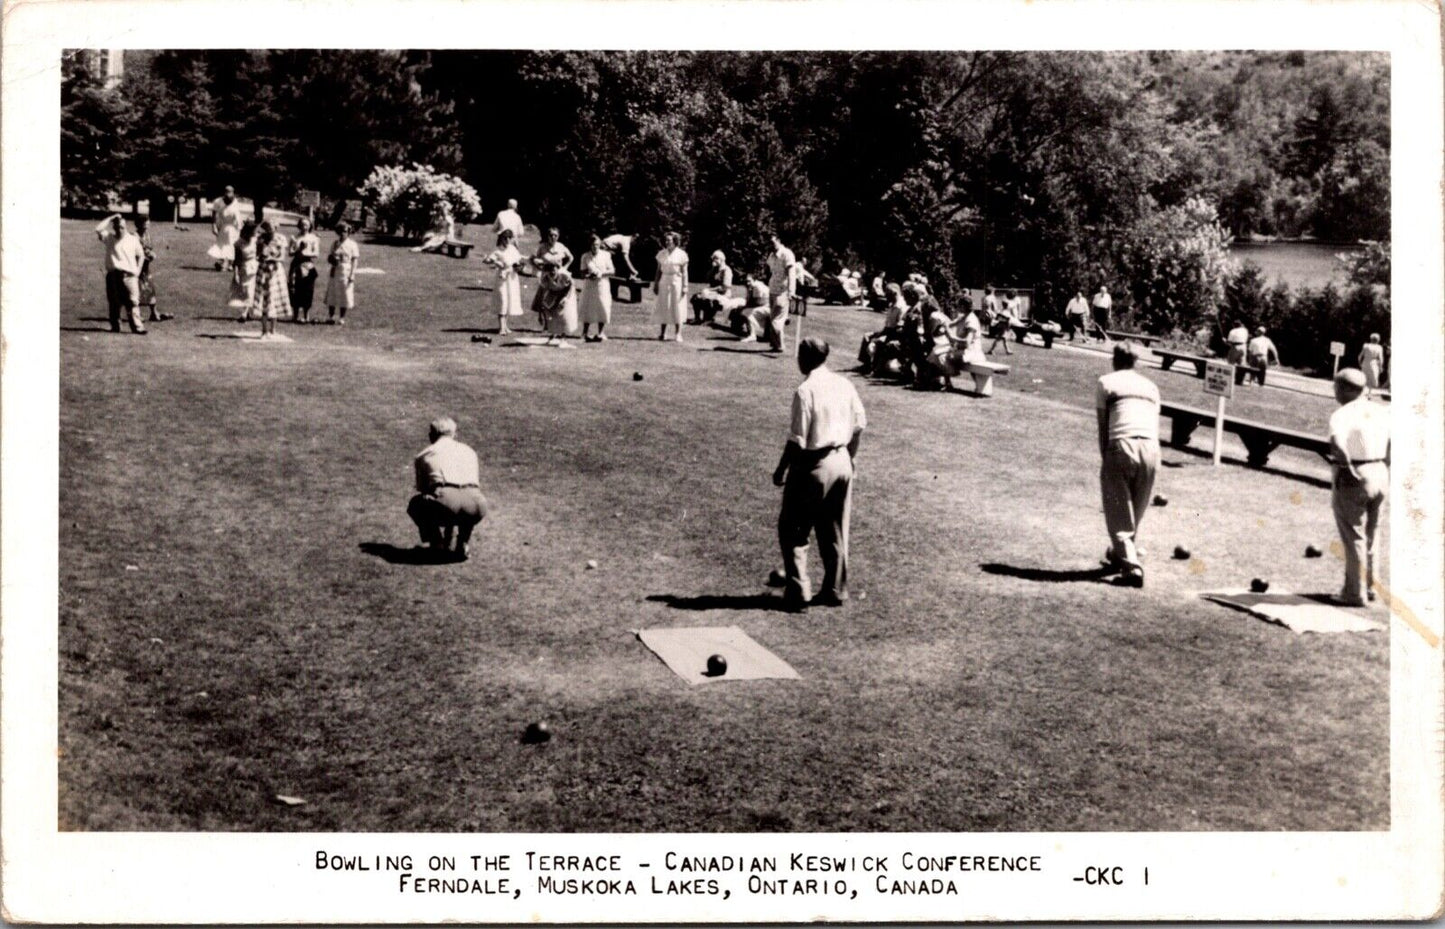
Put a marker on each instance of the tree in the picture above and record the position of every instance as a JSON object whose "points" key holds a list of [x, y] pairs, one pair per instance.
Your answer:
{"points": [[172, 124], [407, 200], [1176, 262], [94, 128]]}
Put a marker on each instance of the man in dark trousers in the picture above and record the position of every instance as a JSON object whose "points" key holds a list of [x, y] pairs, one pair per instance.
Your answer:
{"points": [[448, 501], [816, 474]]}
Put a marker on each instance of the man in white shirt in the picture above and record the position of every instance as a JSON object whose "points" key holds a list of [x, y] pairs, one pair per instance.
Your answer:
{"points": [[1360, 446], [1127, 404], [509, 219], [816, 474], [621, 247], [124, 257], [1076, 315], [782, 284], [226, 218], [1260, 353], [448, 499], [1103, 309]]}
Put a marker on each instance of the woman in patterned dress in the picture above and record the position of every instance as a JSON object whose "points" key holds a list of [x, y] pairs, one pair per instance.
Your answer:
{"points": [[507, 293], [341, 289], [670, 286], [272, 298], [555, 302], [243, 272], [596, 308]]}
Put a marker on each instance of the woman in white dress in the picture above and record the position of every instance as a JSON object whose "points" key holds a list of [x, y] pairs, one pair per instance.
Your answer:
{"points": [[341, 288], [596, 308], [670, 285], [507, 293], [556, 299], [1372, 362]]}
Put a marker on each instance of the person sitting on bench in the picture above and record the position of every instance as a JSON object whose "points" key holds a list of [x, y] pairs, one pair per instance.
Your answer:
{"points": [[621, 246], [755, 296], [717, 296], [444, 229], [875, 344]]}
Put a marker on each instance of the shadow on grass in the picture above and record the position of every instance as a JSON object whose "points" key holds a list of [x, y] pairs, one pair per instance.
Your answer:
{"points": [[720, 602], [85, 328], [395, 554], [474, 287], [478, 331], [210, 268], [756, 353], [1097, 575]]}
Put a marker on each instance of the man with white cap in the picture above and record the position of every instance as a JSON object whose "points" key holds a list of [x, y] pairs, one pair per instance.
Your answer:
{"points": [[448, 502], [1360, 446], [1128, 415], [816, 474]]}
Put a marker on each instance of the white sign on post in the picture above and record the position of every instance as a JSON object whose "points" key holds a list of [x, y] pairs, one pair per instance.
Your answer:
{"points": [[1337, 349], [1219, 380]]}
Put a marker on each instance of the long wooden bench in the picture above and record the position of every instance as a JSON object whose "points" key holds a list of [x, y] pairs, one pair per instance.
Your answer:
{"points": [[1119, 336], [457, 248], [983, 372], [1167, 357], [1259, 440], [1023, 329], [634, 289]]}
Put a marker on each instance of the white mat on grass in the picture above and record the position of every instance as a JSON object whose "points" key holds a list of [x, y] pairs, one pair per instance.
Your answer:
{"points": [[1296, 612], [686, 651], [370, 271], [539, 340], [253, 338]]}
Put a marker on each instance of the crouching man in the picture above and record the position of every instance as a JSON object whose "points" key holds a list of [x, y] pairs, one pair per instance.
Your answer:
{"points": [[448, 502]]}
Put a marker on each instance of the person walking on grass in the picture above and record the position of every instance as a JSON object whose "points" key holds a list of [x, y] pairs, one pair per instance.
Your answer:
{"points": [[816, 474], [1127, 404], [1360, 448], [272, 299], [305, 249], [341, 287], [1004, 319], [227, 217], [596, 302], [448, 503], [1372, 363], [244, 268], [670, 286], [1076, 315], [1237, 345], [124, 258], [1260, 353], [507, 291], [782, 287], [1103, 305], [145, 282]]}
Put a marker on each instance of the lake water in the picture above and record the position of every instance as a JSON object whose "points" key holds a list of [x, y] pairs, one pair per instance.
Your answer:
{"points": [[1298, 264]]}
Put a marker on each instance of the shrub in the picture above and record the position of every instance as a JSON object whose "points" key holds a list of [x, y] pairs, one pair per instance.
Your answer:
{"points": [[405, 200]]}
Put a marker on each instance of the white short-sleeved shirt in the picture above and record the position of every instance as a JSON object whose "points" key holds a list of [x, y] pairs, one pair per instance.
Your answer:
{"points": [[1077, 307], [1238, 336], [1132, 401], [780, 271], [1362, 429], [446, 461], [1103, 300], [123, 252], [508, 219], [826, 411], [1261, 346]]}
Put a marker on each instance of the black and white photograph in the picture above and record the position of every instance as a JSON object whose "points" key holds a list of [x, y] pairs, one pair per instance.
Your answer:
{"points": [[725, 482]]}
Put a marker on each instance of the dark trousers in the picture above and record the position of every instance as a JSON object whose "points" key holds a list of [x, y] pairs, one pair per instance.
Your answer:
{"points": [[303, 284], [446, 508], [817, 500]]}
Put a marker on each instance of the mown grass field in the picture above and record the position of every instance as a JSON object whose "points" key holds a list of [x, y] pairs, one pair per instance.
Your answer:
{"points": [[238, 619]]}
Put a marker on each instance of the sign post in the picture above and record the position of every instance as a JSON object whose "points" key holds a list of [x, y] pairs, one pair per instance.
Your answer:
{"points": [[310, 199], [1219, 380], [1337, 349]]}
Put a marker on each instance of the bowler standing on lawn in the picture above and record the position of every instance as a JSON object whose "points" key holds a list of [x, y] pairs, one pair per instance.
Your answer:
{"points": [[816, 474], [448, 501], [124, 258], [1128, 412], [1360, 444]]}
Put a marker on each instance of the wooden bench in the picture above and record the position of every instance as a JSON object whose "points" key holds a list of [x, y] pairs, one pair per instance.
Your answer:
{"points": [[1260, 440], [456, 248], [1118, 336], [1168, 357], [983, 372], [634, 289], [1023, 329]]}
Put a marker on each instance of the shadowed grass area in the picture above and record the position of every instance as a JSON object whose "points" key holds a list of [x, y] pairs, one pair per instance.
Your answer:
{"points": [[274, 636]]}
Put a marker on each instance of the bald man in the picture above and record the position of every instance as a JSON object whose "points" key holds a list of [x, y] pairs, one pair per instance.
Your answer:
{"points": [[1360, 448], [448, 502], [1128, 415], [509, 219]]}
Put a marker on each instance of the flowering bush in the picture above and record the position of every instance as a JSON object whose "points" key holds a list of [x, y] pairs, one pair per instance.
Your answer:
{"points": [[407, 200]]}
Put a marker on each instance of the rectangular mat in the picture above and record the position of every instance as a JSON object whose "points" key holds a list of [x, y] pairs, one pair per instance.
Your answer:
{"points": [[686, 651], [1297, 612]]}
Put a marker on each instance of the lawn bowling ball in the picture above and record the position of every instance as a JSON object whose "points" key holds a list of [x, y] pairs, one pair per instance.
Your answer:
{"points": [[637, 375], [1259, 585], [892, 367], [1181, 553], [717, 666], [777, 578], [1161, 500], [1312, 552], [537, 733]]}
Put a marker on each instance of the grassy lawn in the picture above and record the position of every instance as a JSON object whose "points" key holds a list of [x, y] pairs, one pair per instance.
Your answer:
{"points": [[232, 626]]}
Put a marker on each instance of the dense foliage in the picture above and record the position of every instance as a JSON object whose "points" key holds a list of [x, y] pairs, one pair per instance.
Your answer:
{"points": [[1052, 170]]}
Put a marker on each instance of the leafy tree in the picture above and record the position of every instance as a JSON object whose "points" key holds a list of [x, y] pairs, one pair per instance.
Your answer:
{"points": [[94, 128], [172, 125]]}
